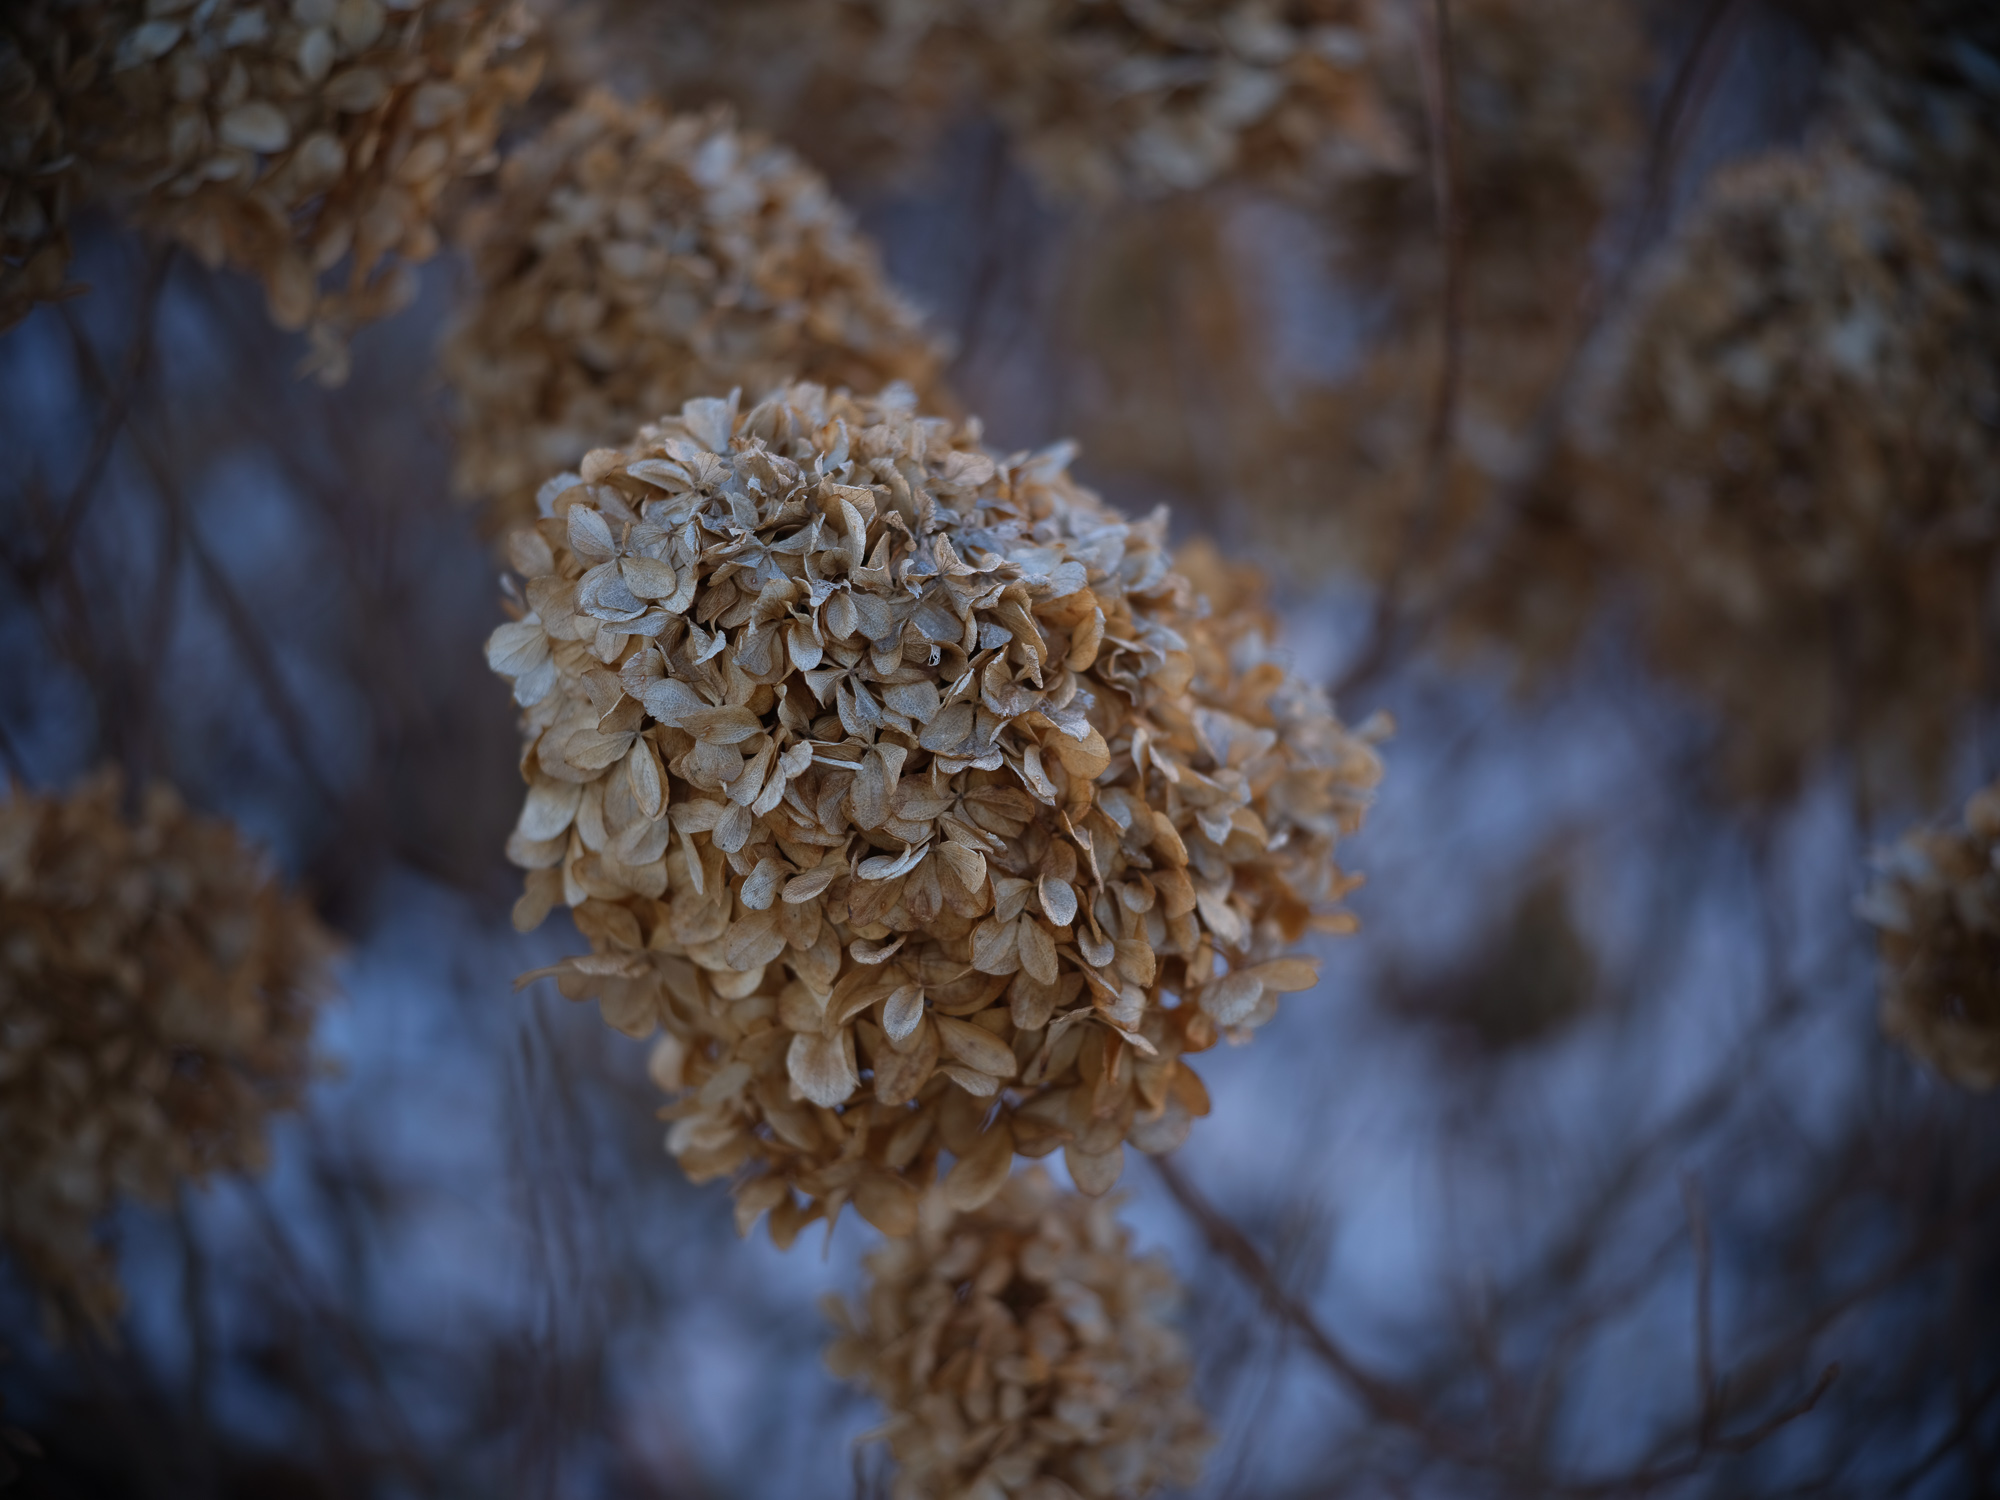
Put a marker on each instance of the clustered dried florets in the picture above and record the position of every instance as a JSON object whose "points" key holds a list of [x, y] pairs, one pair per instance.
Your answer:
{"points": [[49, 56], [1137, 99], [1101, 100], [1937, 904], [287, 138], [634, 260], [157, 989], [912, 793], [1800, 475], [1547, 129], [1021, 1350]]}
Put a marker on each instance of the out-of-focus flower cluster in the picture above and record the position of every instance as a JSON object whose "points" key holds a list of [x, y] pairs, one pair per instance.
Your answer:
{"points": [[49, 56], [1801, 474], [157, 989], [1341, 472], [1021, 1350], [1110, 100], [1937, 903], [286, 139], [913, 793], [1100, 100], [633, 261]]}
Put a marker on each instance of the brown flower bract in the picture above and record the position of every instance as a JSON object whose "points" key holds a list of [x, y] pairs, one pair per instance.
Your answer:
{"points": [[911, 791], [634, 260], [1021, 1350], [157, 989], [286, 138], [1936, 902]]}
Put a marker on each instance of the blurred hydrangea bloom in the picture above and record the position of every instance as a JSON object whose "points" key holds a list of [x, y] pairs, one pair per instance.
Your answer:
{"points": [[1339, 470], [1110, 100], [49, 56], [288, 138], [1023, 1350], [913, 792], [1936, 902], [157, 990], [1800, 474], [1100, 100], [633, 260]]}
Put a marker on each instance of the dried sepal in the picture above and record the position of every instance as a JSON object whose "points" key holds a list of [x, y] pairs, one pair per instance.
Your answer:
{"points": [[976, 821], [157, 991], [1022, 1349]]}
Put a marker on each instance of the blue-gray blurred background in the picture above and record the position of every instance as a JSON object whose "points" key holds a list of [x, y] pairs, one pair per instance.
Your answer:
{"points": [[1603, 1053]]}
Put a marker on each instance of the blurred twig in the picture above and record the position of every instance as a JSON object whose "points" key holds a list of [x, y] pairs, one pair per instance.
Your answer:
{"points": [[118, 401], [1440, 106], [236, 615]]}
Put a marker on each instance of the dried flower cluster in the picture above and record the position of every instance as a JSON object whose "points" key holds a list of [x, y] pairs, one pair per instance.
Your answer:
{"points": [[1101, 100], [50, 56], [1111, 100], [157, 989], [1802, 472], [287, 137], [912, 792], [1937, 903], [634, 260], [1021, 1350], [1547, 128]]}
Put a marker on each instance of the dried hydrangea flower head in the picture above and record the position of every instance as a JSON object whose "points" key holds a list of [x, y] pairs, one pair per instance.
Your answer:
{"points": [[1936, 901], [912, 792], [633, 260], [1809, 497], [287, 137], [1121, 100], [1100, 100], [49, 56], [157, 989], [1329, 469], [859, 87], [1023, 1350]]}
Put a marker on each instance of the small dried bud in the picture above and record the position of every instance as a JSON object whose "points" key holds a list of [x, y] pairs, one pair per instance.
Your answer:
{"points": [[157, 990], [914, 793], [1936, 901], [633, 260], [1022, 1350]]}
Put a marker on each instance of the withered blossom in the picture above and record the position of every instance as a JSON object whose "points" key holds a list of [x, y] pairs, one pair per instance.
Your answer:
{"points": [[1800, 471], [634, 259], [157, 991], [49, 56], [912, 793], [1099, 100], [1120, 100], [1023, 1350], [290, 138], [1482, 530], [1936, 903]]}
